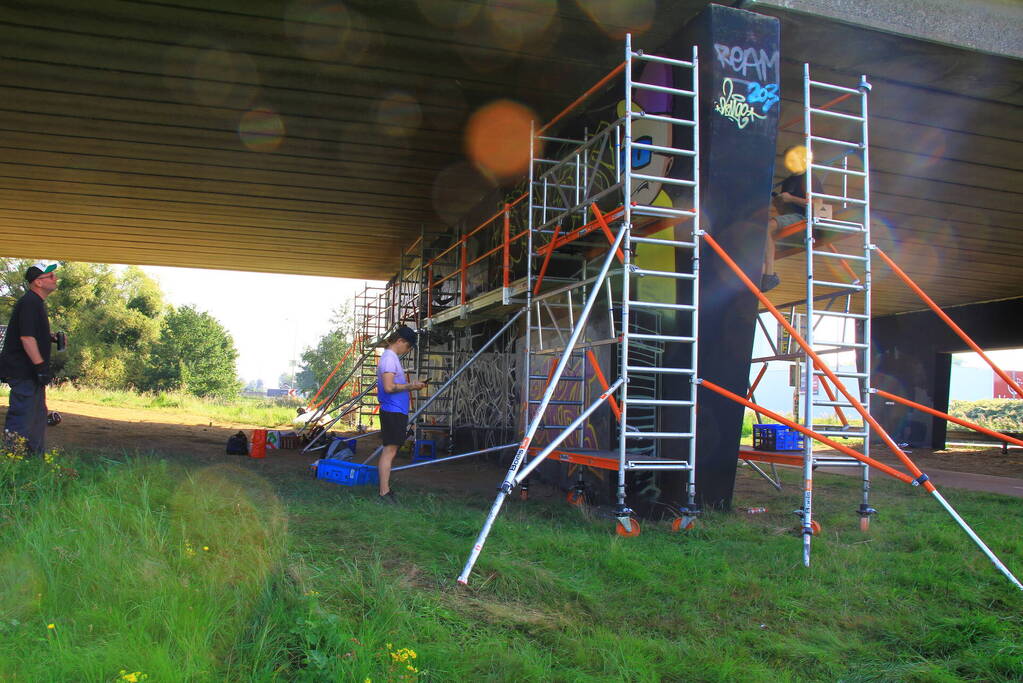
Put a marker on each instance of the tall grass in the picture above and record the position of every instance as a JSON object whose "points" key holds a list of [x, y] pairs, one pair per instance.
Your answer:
{"points": [[216, 574]]}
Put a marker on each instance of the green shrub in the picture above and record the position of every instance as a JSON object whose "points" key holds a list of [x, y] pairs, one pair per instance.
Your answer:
{"points": [[1003, 414]]}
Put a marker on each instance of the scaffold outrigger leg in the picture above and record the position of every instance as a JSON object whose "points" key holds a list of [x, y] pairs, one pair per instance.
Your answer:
{"points": [[508, 484]]}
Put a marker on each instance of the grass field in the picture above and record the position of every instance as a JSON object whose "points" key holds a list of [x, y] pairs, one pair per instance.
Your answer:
{"points": [[136, 569], [263, 412]]}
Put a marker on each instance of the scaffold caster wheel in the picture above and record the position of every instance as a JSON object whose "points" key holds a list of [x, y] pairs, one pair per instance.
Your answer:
{"points": [[575, 498], [633, 529], [865, 512], [815, 527], [683, 524]]}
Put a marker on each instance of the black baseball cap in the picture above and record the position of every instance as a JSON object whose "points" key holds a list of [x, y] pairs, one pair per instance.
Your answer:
{"points": [[39, 268], [408, 334]]}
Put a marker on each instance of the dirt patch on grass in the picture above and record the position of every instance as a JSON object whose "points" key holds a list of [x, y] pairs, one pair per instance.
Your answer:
{"points": [[196, 439]]}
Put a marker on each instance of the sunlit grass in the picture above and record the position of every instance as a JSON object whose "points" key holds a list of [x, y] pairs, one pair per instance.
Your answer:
{"points": [[214, 573], [242, 411]]}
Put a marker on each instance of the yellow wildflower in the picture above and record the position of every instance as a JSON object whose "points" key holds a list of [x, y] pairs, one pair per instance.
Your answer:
{"points": [[206, 548], [51, 626]]}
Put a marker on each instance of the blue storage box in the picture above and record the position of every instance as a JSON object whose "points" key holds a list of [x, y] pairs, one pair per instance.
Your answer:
{"points": [[346, 473], [772, 437]]}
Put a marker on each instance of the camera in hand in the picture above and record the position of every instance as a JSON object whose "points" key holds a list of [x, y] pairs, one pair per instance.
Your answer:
{"points": [[61, 341]]}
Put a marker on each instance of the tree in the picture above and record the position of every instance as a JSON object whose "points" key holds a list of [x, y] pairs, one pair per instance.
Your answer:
{"points": [[318, 362], [111, 320], [195, 353]]}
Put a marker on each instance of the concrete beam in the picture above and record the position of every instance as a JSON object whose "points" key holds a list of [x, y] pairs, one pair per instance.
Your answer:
{"points": [[990, 26]]}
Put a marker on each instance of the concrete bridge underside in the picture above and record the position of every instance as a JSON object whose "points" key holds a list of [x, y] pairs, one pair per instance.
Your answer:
{"points": [[319, 139]]}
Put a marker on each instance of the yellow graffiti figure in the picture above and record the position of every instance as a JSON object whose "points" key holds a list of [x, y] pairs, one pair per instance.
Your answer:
{"points": [[733, 106]]}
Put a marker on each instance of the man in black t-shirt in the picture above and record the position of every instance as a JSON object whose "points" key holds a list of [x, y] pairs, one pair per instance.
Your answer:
{"points": [[25, 357]]}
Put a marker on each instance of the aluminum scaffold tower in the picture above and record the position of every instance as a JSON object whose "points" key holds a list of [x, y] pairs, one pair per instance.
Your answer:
{"points": [[847, 135], [843, 239], [564, 204]]}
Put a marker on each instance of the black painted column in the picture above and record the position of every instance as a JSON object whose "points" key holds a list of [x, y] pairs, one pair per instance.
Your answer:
{"points": [[739, 59]]}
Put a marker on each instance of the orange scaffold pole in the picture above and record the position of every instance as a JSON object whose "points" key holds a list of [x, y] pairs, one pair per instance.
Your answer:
{"points": [[887, 469], [312, 405], [919, 478], [582, 98], [945, 416], [948, 321], [821, 365]]}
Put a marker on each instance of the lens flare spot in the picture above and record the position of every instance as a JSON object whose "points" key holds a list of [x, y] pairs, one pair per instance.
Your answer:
{"points": [[449, 14], [497, 139], [211, 76], [515, 22], [261, 130], [456, 190], [932, 145], [327, 31], [399, 114], [795, 159], [21, 586], [616, 18]]}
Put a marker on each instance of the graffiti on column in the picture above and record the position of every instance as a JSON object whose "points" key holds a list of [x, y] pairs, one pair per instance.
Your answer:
{"points": [[751, 89]]}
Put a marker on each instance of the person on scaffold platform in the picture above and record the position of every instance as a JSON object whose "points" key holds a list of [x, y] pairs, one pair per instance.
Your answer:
{"points": [[789, 202]]}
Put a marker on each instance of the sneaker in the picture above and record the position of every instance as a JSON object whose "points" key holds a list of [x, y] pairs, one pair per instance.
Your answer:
{"points": [[769, 281], [388, 499]]}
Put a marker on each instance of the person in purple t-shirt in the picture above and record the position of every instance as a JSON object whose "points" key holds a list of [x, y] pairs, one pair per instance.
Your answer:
{"points": [[393, 394]]}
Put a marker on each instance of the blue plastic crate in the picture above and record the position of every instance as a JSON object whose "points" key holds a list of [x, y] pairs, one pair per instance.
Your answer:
{"points": [[347, 473], [772, 437]]}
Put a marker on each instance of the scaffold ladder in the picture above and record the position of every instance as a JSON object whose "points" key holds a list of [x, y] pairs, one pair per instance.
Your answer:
{"points": [[838, 253], [578, 199]]}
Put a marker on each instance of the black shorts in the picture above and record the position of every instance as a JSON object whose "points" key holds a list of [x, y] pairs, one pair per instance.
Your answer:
{"points": [[393, 428]]}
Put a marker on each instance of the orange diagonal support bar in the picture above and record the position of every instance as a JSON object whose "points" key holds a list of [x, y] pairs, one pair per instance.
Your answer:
{"points": [[756, 382], [310, 406], [582, 98], [827, 105], [887, 469], [581, 231], [790, 229], [845, 265], [832, 397], [603, 383], [607, 230], [948, 321], [819, 364], [945, 416], [546, 260], [754, 385]]}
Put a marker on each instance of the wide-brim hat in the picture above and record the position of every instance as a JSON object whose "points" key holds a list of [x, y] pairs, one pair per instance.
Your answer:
{"points": [[40, 268]]}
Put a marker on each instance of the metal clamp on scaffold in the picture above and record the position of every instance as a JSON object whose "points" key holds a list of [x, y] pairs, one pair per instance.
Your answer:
{"points": [[921, 479]]}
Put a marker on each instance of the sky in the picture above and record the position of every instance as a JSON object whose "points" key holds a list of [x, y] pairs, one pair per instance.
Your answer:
{"points": [[272, 318]]}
